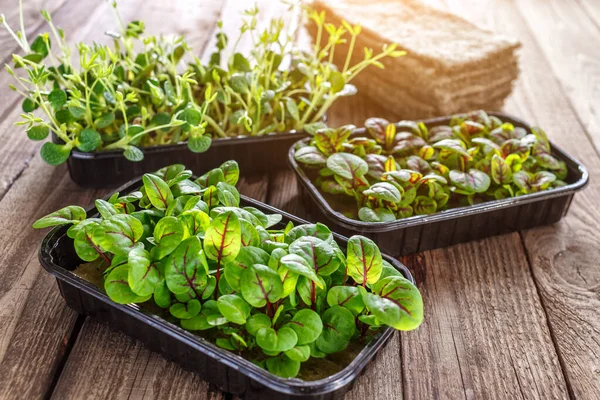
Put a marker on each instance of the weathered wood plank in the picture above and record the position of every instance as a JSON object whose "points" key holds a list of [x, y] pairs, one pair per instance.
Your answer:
{"points": [[568, 36], [35, 324], [564, 257], [106, 364], [486, 333]]}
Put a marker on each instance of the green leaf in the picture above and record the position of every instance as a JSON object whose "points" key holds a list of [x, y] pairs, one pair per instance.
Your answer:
{"points": [[199, 144], [501, 171], [299, 353], [119, 233], [77, 112], [348, 297], [247, 256], [158, 191], [319, 254], [384, 191], [168, 234], [144, 275], [38, 132], [41, 45], [300, 266], [364, 260], [57, 98], [55, 154], [307, 324], [195, 221], [228, 195], [29, 105], [83, 243], [276, 341], [347, 165], [396, 302], [231, 172], [310, 155], [338, 328], [260, 284], [89, 140], [66, 215], [117, 287], [223, 238], [256, 322], [191, 116], [283, 366], [185, 310], [337, 81], [240, 63], [317, 230], [133, 153], [234, 308], [106, 209], [105, 120], [377, 215], [239, 83], [454, 146], [186, 267], [292, 108], [424, 205], [162, 294], [474, 181]]}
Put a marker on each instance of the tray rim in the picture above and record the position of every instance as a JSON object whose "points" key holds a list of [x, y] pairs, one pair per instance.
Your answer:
{"points": [[290, 386], [445, 215], [216, 142]]}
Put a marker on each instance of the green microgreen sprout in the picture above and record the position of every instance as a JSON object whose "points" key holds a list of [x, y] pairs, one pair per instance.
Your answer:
{"points": [[276, 294], [408, 169], [147, 90]]}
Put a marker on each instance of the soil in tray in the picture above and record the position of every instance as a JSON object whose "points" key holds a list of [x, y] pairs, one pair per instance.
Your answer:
{"points": [[311, 370]]}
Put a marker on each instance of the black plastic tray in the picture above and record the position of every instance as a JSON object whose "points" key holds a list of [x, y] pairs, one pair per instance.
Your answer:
{"points": [[228, 371], [254, 154], [457, 225]]}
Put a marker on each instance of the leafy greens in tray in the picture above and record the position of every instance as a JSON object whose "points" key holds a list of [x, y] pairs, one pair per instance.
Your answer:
{"points": [[408, 169], [152, 90], [277, 295]]}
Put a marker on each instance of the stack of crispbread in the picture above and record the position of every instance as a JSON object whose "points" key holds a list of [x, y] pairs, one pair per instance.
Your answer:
{"points": [[451, 65]]}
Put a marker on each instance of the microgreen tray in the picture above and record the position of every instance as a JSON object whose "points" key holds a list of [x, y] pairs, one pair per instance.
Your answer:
{"points": [[228, 371], [254, 154], [455, 225]]}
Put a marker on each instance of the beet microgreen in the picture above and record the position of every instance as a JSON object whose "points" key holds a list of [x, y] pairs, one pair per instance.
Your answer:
{"points": [[148, 90], [408, 169], [277, 295]]}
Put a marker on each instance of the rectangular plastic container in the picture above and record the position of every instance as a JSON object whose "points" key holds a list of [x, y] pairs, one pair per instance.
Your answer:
{"points": [[228, 371], [254, 154], [457, 225]]}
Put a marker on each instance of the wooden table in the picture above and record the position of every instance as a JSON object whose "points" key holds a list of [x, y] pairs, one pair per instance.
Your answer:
{"points": [[510, 317]]}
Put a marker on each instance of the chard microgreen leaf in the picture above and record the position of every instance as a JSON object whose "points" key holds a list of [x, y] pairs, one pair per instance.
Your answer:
{"points": [[158, 191], [234, 308], [144, 275], [364, 260], [396, 302], [338, 328], [260, 285], [118, 234], [279, 340], [308, 326], [117, 287], [185, 268], [66, 215]]}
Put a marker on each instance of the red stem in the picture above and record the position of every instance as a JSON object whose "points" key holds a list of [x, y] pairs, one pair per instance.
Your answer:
{"points": [[217, 277]]}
